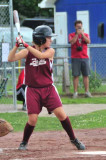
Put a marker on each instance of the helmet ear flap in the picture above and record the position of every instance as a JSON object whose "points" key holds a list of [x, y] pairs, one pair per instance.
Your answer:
{"points": [[39, 40]]}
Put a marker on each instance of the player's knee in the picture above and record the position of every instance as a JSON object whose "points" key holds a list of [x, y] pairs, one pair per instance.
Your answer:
{"points": [[62, 117], [33, 120], [60, 114]]}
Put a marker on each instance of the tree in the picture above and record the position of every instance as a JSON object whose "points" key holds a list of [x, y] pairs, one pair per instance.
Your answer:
{"points": [[30, 9]]}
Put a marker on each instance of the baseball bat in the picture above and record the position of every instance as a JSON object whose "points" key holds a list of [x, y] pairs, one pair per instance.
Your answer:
{"points": [[17, 22]]}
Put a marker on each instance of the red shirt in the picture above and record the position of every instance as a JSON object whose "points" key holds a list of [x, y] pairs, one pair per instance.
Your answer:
{"points": [[20, 79], [38, 72], [80, 42]]}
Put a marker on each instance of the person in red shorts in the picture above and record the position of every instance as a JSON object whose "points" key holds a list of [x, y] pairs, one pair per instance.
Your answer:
{"points": [[20, 89], [40, 90], [79, 58]]}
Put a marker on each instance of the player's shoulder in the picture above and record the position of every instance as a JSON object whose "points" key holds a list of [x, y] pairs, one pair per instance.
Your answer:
{"points": [[51, 50]]}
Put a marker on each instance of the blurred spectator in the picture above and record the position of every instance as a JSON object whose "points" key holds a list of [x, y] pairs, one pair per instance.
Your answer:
{"points": [[79, 58], [20, 88]]}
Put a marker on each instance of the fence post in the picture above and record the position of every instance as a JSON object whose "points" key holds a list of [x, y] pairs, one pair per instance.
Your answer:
{"points": [[66, 77], [13, 64]]}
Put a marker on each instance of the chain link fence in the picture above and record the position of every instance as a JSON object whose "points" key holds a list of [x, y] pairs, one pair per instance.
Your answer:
{"points": [[97, 56], [7, 70], [98, 60]]}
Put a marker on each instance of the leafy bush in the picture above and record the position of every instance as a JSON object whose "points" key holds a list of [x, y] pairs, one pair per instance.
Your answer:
{"points": [[95, 81]]}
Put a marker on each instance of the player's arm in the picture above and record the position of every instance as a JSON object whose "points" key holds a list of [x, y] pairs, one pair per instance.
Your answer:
{"points": [[49, 53], [13, 56]]}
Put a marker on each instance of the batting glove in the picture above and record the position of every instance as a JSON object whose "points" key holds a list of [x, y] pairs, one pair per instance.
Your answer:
{"points": [[16, 44], [24, 43], [19, 41]]}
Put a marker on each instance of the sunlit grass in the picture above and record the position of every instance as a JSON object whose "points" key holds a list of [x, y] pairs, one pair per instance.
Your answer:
{"points": [[93, 100], [91, 120], [67, 100], [101, 89]]}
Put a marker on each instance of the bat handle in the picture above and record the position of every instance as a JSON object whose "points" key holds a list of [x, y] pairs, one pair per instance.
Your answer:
{"points": [[21, 44]]}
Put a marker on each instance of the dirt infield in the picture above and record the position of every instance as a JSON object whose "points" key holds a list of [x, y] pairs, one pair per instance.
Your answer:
{"points": [[55, 145]]}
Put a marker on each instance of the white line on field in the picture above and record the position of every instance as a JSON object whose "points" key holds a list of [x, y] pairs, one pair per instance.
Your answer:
{"points": [[93, 153], [1, 150], [89, 153]]}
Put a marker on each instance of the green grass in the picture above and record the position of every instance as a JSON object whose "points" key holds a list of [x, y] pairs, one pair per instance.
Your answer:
{"points": [[93, 100], [92, 120], [65, 100], [6, 100], [101, 89], [68, 100]]}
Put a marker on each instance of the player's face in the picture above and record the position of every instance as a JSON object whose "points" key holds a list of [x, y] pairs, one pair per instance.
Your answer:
{"points": [[48, 41]]}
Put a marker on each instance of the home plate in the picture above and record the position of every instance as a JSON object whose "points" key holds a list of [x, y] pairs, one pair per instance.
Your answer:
{"points": [[93, 153]]}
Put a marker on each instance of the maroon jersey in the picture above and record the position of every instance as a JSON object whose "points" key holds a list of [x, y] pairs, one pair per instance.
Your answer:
{"points": [[38, 72]]}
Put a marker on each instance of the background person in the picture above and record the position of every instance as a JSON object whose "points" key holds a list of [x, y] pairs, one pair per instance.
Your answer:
{"points": [[79, 58], [40, 90], [20, 89]]}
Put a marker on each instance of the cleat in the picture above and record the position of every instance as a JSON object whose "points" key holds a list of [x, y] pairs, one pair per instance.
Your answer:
{"points": [[23, 146], [78, 144]]}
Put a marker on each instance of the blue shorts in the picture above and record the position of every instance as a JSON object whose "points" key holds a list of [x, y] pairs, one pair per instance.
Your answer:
{"points": [[80, 65]]}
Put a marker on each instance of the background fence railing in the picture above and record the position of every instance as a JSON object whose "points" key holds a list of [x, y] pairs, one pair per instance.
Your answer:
{"points": [[62, 67]]}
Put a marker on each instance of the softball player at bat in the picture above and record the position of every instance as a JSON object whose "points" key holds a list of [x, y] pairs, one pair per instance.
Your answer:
{"points": [[40, 90]]}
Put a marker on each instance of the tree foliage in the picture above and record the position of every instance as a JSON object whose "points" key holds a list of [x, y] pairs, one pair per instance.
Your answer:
{"points": [[30, 9]]}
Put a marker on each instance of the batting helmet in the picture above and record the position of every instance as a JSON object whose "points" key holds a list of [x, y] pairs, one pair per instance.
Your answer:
{"points": [[40, 33]]}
